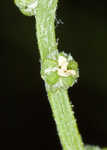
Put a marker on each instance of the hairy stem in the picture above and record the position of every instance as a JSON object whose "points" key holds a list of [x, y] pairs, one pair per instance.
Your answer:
{"points": [[59, 101], [45, 17], [58, 70], [65, 120]]}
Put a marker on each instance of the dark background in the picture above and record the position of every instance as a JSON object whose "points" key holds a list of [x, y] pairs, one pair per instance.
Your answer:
{"points": [[23, 100]]}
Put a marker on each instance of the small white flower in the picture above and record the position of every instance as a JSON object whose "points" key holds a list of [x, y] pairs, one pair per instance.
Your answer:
{"points": [[62, 70]]}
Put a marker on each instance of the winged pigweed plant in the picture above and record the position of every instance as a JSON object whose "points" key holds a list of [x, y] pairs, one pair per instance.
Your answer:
{"points": [[58, 70]]}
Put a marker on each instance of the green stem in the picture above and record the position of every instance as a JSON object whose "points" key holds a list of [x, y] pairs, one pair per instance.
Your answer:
{"points": [[62, 111], [45, 18], [58, 70], [56, 80], [65, 120]]}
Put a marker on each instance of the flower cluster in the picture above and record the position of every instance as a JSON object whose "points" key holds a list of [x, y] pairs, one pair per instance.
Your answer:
{"points": [[60, 73]]}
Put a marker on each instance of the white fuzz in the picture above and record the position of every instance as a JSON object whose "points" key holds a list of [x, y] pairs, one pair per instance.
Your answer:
{"points": [[70, 57], [48, 70], [32, 7], [50, 3], [52, 54]]}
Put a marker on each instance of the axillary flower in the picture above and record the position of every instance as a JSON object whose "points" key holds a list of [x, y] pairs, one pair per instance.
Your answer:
{"points": [[62, 73], [62, 69]]}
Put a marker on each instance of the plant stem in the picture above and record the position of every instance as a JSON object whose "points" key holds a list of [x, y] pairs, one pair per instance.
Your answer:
{"points": [[45, 12], [59, 101], [57, 80], [45, 18], [65, 120]]}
